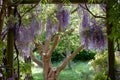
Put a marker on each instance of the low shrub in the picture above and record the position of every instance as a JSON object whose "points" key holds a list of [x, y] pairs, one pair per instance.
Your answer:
{"points": [[100, 65], [82, 56], [56, 56], [85, 55]]}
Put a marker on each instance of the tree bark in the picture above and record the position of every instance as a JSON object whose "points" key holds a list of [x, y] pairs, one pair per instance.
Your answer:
{"points": [[38, 62], [10, 44], [70, 57], [9, 55], [111, 55], [46, 66], [111, 59]]}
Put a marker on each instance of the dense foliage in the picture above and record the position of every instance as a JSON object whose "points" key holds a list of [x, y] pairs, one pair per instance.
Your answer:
{"points": [[100, 63], [82, 56]]}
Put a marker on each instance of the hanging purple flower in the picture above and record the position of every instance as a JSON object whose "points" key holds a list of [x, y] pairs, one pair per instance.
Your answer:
{"points": [[49, 27], [91, 34], [26, 51], [85, 20], [84, 30], [62, 16], [60, 6], [80, 10], [25, 36], [54, 28], [35, 25]]}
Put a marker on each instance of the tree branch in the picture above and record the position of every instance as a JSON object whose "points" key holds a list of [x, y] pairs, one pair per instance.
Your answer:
{"points": [[67, 59], [86, 8], [39, 47], [56, 39], [38, 62], [67, 32], [74, 10], [46, 46]]}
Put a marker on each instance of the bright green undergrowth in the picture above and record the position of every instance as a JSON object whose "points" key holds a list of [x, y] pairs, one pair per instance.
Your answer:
{"points": [[79, 71]]}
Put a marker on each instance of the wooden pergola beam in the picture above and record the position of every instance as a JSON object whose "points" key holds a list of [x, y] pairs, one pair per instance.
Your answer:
{"points": [[57, 1]]}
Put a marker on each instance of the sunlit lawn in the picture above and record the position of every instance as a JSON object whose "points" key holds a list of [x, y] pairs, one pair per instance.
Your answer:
{"points": [[79, 71]]}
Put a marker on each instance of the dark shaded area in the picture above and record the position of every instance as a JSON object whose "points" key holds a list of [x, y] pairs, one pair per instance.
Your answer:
{"points": [[81, 56]]}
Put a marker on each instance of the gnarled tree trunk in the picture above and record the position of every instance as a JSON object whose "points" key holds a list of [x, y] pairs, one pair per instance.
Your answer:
{"points": [[50, 73]]}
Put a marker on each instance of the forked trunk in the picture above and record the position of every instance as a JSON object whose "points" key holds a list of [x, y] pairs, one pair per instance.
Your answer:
{"points": [[48, 72], [52, 74]]}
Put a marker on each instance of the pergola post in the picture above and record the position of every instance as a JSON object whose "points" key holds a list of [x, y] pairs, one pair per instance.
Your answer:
{"points": [[10, 47], [111, 55]]}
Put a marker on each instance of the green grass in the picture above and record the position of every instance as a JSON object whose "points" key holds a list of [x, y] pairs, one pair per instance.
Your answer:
{"points": [[37, 73], [79, 71]]}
